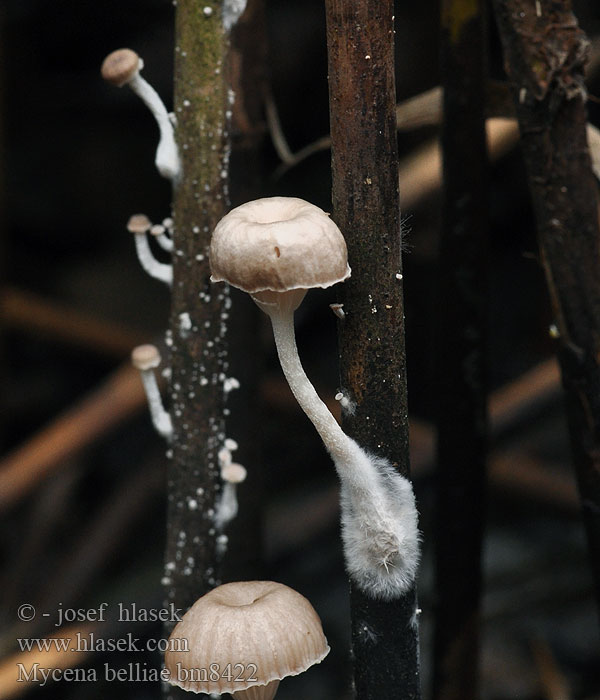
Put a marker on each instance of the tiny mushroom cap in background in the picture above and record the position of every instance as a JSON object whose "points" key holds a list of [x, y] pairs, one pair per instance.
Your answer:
{"points": [[145, 357], [260, 630], [120, 66], [278, 244], [138, 223], [233, 473]]}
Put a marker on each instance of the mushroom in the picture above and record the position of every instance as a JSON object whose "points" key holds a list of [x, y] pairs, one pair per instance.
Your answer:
{"points": [[140, 225], [122, 67], [232, 475], [243, 638], [146, 359], [276, 249], [161, 237]]}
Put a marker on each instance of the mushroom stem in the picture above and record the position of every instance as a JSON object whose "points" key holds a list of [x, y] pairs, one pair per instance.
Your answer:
{"points": [[160, 418], [164, 241], [151, 265], [334, 438], [167, 156], [228, 506], [379, 516]]}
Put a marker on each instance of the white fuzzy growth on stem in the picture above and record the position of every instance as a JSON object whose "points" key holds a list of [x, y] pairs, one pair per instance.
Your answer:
{"points": [[151, 265], [379, 515], [160, 418], [167, 156]]}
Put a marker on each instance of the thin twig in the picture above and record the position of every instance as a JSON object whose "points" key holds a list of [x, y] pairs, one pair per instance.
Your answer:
{"points": [[27, 311], [118, 398]]}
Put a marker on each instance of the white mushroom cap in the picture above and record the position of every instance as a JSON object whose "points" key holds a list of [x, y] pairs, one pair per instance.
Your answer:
{"points": [[268, 629], [138, 223], [120, 66], [145, 357], [278, 244], [233, 473]]}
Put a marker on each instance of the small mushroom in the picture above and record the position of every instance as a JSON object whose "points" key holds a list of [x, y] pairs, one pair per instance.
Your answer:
{"points": [[243, 638], [158, 231], [232, 474], [146, 359], [140, 225], [122, 67], [276, 249]]}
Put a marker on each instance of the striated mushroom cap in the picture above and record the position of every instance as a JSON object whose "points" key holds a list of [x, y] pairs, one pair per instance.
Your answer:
{"points": [[119, 67], [254, 633], [278, 244]]}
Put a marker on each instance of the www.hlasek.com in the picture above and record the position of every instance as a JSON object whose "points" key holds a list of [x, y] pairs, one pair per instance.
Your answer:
{"points": [[88, 642], [138, 672]]}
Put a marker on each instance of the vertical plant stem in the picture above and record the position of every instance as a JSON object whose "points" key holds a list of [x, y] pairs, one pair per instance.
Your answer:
{"points": [[545, 52], [197, 328], [360, 39], [461, 382]]}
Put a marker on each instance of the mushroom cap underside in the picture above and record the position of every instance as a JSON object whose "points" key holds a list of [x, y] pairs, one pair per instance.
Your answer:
{"points": [[249, 633]]}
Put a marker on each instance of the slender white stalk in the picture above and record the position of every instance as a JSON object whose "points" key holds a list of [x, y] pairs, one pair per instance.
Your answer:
{"points": [[232, 474], [160, 418], [379, 516], [151, 265], [167, 156], [164, 241], [228, 506]]}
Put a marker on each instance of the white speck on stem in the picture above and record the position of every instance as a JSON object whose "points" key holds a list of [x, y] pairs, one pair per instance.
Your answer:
{"points": [[185, 324]]}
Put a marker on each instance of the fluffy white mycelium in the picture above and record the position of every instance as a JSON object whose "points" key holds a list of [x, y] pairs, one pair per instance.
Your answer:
{"points": [[276, 249]]}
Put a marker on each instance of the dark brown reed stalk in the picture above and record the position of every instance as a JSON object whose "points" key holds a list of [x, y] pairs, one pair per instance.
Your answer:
{"points": [[373, 369], [461, 355], [545, 53]]}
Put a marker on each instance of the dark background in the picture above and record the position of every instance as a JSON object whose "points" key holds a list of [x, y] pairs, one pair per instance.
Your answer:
{"points": [[77, 161]]}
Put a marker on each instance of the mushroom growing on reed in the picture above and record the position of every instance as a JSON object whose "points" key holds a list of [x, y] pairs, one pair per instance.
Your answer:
{"points": [[276, 249], [243, 638], [122, 67]]}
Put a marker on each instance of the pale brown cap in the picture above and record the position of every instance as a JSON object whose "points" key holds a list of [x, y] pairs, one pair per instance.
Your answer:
{"points": [[265, 630], [233, 473], [145, 357], [138, 223], [278, 244], [120, 66]]}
